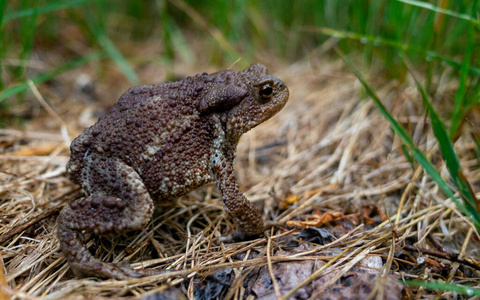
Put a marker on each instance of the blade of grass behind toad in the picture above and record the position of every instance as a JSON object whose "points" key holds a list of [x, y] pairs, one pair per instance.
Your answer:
{"points": [[3, 4], [51, 7], [448, 153], [461, 101], [215, 33], [112, 51], [13, 90], [27, 35], [437, 9], [174, 42], [407, 139], [400, 45], [97, 26]]}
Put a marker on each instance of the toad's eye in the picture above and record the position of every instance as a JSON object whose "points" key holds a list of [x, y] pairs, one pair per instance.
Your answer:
{"points": [[266, 91]]}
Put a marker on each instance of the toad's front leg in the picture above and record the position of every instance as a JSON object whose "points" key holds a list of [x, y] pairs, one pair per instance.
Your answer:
{"points": [[245, 216]]}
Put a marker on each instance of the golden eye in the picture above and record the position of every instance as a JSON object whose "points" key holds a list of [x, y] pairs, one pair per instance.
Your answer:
{"points": [[266, 92]]}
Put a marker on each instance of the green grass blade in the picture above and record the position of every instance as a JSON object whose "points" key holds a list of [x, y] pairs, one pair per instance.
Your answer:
{"points": [[461, 105], [400, 45], [203, 23], [27, 35], [435, 175], [112, 51], [96, 22], [443, 286], [11, 91], [173, 40], [436, 9], [3, 4], [408, 155], [43, 9], [405, 137]]}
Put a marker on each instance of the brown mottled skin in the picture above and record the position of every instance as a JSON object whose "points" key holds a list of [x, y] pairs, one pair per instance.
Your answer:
{"points": [[160, 142]]}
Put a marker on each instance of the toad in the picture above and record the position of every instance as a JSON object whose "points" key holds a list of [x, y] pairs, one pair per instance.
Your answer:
{"points": [[159, 142]]}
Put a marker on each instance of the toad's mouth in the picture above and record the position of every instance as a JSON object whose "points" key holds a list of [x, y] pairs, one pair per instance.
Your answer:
{"points": [[252, 113]]}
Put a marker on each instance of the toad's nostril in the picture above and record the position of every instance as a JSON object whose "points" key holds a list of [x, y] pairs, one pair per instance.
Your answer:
{"points": [[279, 83]]}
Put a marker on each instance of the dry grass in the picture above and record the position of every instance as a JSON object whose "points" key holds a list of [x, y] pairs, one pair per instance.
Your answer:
{"points": [[327, 151]]}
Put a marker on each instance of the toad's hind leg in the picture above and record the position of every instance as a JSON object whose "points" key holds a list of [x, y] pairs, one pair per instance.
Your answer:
{"points": [[118, 202]]}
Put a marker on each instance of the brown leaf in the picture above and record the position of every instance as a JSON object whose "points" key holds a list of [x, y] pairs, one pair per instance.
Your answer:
{"points": [[371, 213], [317, 220]]}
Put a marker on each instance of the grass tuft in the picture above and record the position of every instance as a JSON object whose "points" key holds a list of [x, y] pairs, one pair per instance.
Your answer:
{"points": [[448, 153], [469, 209]]}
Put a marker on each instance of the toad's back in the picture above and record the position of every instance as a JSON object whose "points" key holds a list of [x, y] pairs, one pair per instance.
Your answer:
{"points": [[156, 130]]}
